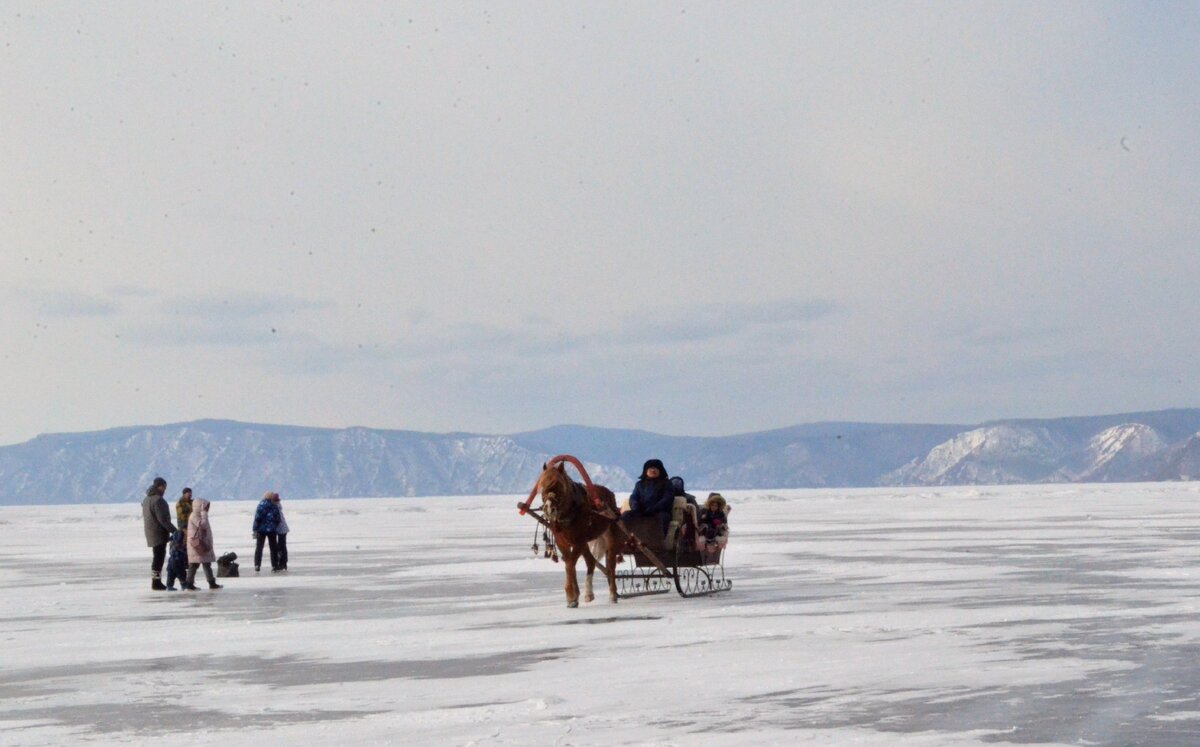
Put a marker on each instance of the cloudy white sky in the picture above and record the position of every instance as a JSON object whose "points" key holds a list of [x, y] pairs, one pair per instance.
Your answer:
{"points": [[684, 217]]}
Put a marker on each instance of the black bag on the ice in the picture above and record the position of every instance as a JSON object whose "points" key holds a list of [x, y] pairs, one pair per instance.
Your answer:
{"points": [[226, 565]]}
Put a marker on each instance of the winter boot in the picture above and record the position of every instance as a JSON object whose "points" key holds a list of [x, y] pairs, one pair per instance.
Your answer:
{"points": [[208, 573], [189, 583], [156, 583]]}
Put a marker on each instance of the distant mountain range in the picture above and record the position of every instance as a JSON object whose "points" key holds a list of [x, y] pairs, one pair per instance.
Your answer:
{"points": [[231, 460]]}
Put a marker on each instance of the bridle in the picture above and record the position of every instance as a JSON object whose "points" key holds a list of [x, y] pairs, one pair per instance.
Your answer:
{"points": [[589, 489], [563, 509]]}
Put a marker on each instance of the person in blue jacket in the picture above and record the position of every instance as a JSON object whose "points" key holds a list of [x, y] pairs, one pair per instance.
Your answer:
{"points": [[267, 518], [653, 495], [177, 561]]}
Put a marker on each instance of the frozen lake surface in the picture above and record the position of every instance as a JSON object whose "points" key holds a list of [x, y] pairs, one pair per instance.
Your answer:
{"points": [[957, 616]]}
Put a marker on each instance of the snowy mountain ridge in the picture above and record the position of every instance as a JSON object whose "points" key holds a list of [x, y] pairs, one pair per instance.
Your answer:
{"points": [[993, 454], [232, 460], [1129, 451]]}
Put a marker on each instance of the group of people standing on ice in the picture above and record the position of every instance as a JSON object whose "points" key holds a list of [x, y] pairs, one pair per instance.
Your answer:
{"points": [[190, 544]]}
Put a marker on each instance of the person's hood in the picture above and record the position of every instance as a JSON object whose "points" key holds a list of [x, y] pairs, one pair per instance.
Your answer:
{"points": [[677, 483], [200, 507], [716, 502], [654, 463]]}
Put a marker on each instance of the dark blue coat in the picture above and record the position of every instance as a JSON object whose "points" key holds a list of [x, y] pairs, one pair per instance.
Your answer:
{"points": [[266, 517], [177, 558], [652, 496]]}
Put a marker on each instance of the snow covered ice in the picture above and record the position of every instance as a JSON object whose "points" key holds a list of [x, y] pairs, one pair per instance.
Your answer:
{"points": [[955, 616]]}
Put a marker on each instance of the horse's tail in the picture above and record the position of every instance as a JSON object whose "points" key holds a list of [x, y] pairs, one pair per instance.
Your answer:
{"points": [[599, 546], [609, 538]]}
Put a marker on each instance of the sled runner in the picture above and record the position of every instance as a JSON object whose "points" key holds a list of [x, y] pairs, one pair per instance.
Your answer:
{"points": [[694, 567], [648, 562]]}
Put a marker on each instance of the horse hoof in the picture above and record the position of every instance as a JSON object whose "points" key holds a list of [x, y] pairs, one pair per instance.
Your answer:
{"points": [[589, 598], [573, 603], [613, 600]]}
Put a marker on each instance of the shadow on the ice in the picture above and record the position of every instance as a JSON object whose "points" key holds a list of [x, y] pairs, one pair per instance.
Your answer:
{"points": [[274, 672], [570, 621], [131, 719], [1147, 694]]}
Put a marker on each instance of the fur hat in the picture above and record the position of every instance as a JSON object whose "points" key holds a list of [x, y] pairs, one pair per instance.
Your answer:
{"points": [[718, 500]]}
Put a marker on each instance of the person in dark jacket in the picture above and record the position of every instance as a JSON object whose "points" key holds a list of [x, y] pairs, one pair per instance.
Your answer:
{"points": [[266, 529], [281, 531], [156, 520], [714, 518], [177, 561], [653, 495], [679, 487]]}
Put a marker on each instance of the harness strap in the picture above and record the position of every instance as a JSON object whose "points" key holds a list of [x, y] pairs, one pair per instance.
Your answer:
{"points": [[592, 493]]}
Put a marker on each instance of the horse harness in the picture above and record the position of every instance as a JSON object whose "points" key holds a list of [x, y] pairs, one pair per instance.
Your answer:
{"points": [[563, 516]]}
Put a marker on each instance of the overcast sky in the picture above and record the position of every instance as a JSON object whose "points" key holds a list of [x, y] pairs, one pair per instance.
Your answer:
{"points": [[685, 217]]}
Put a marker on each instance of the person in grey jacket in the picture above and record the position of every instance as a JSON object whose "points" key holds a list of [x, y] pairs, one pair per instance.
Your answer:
{"points": [[156, 520]]}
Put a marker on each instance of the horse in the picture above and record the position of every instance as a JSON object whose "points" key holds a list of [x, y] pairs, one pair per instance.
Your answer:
{"points": [[576, 522]]}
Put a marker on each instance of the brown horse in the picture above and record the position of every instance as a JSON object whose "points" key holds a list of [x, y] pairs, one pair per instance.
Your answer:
{"points": [[575, 523]]}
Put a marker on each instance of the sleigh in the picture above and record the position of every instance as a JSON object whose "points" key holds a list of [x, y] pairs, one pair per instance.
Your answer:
{"points": [[648, 562], [683, 559]]}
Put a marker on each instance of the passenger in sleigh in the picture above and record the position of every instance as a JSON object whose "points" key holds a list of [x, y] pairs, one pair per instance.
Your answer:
{"points": [[678, 486], [653, 495], [684, 510], [714, 520]]}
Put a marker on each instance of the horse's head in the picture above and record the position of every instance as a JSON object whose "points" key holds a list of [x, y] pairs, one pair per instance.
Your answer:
{"points": [[559, 493]]}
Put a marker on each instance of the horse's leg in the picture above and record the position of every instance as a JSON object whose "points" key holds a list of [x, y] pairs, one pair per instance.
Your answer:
{"points": [[590, 561], [610, 563], [570, 555]]}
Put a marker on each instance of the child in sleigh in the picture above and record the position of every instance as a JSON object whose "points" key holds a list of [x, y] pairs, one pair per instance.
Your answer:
{"points": [[713, 522]]}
